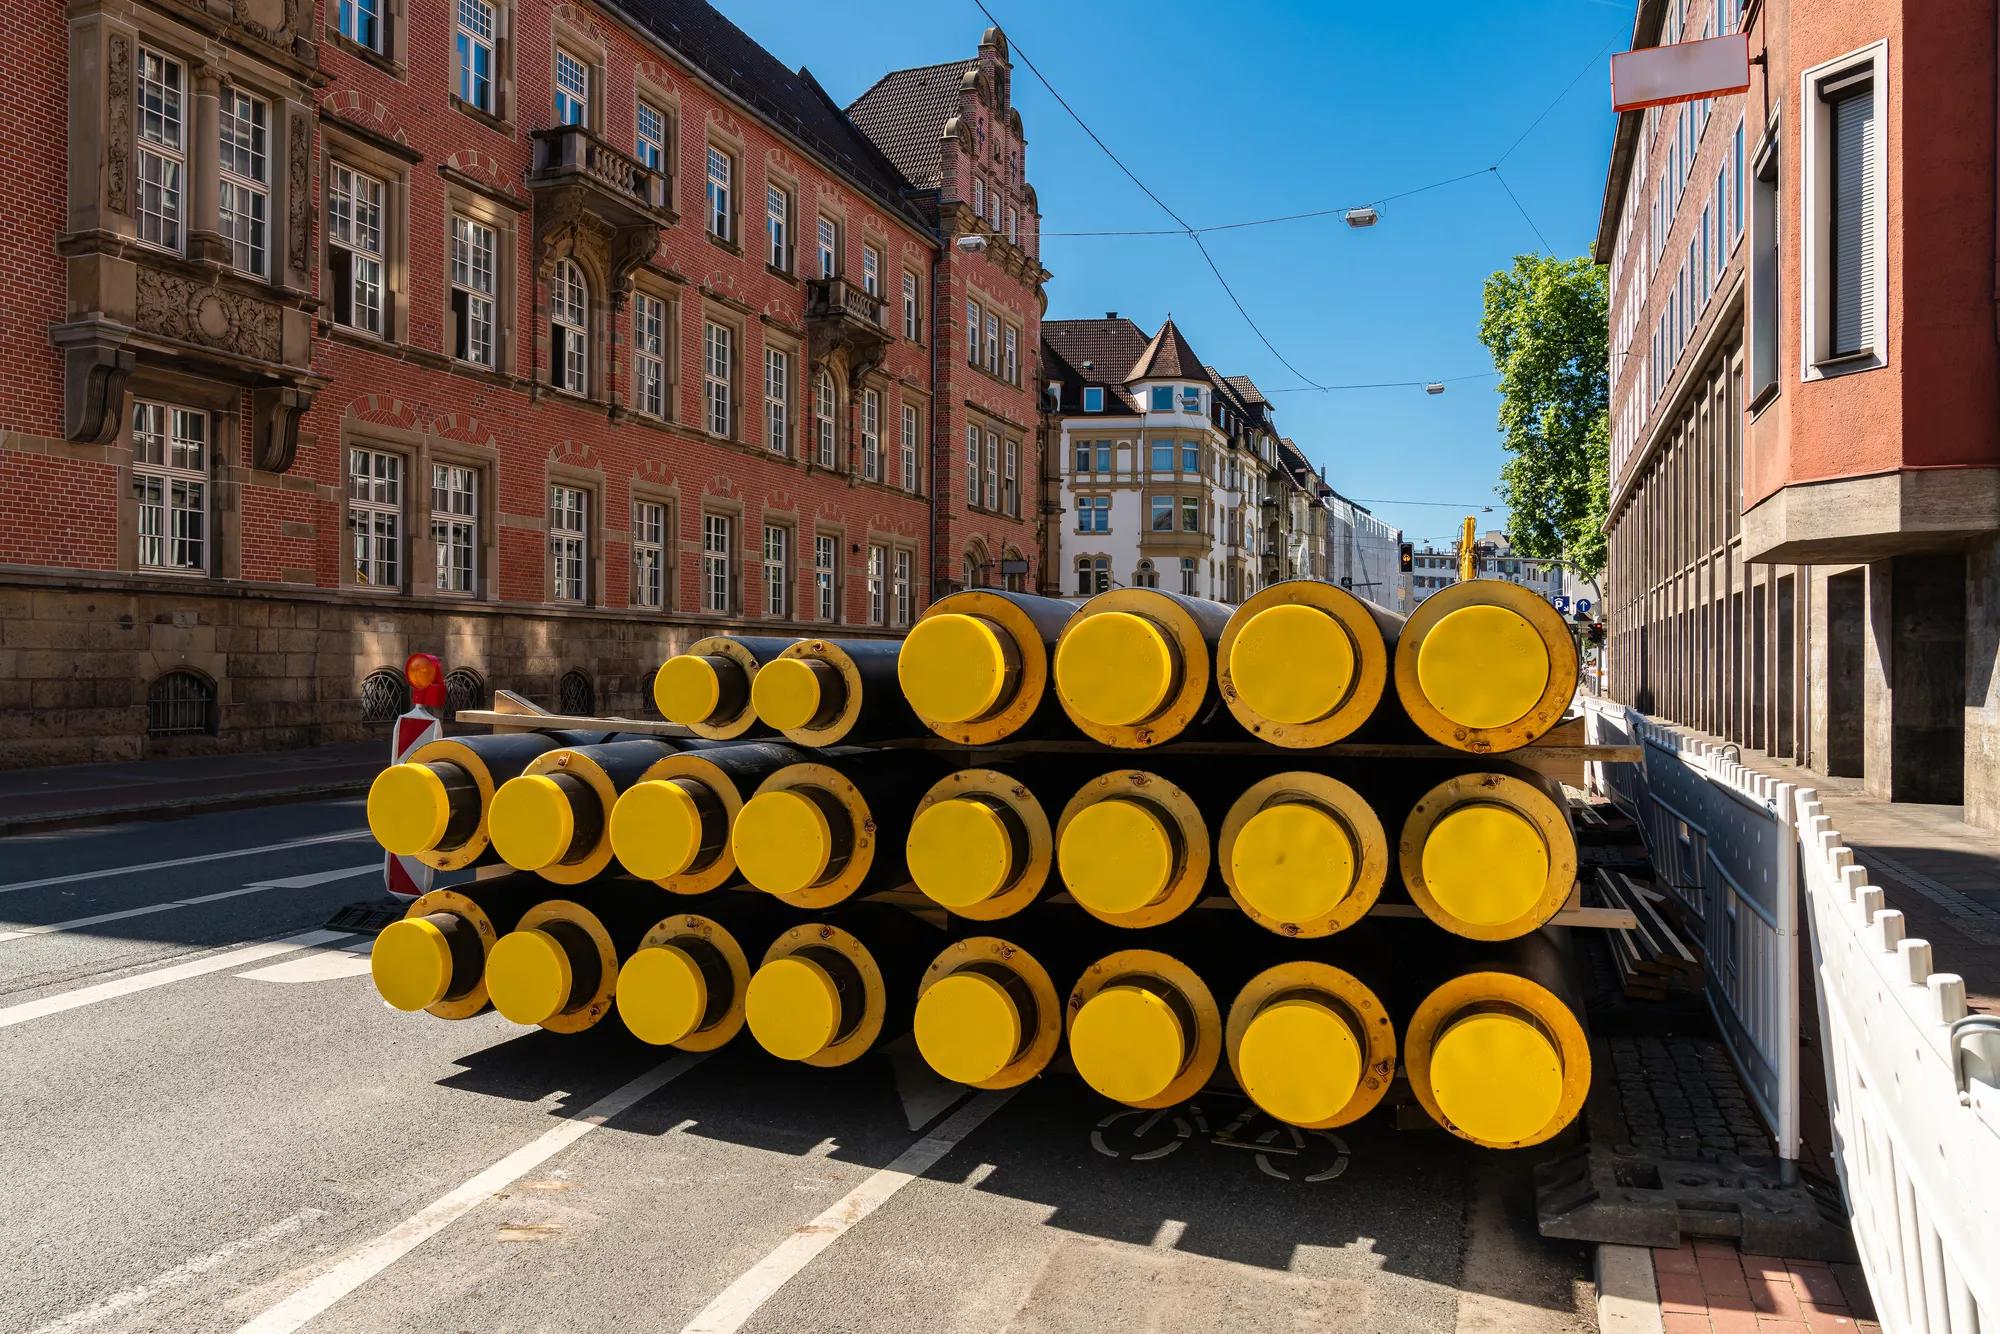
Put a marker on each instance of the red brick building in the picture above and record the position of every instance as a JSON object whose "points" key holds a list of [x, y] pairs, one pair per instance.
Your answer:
{"points": [[544, 336]]}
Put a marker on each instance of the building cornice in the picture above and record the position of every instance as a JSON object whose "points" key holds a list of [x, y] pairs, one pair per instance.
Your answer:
{"points": [[1647, 25]]}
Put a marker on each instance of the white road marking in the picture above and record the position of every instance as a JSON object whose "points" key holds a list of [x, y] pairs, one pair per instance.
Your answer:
{"points": [[371, 1258], [294, 882], [743, 1298], [76, 877], [317, 966], [105, 1307], [160, 977]]}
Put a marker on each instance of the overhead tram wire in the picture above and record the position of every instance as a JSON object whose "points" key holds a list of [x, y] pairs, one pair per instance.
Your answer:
{"points": [[1386, 384]]}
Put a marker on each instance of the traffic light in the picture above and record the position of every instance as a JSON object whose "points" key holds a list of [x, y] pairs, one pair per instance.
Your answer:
{"points": [[1406, 557], [1597, 632]]}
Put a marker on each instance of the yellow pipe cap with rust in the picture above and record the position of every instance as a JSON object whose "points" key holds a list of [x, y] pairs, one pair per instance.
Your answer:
{"points": [[661, 994], [959, 852], [687, 689], [786, 693], [1497, 1077], [1299, 1061], [532, 823], [408, 809], [782, 841], [1127, 1043], [1485, 864], [411, 964], [793, 1008], [656, 829], [1114, 669], [1116, 856], [968, 1028], [1292, 664], [1483, 666], [1293, 862], [528, 975], [953, 668]]}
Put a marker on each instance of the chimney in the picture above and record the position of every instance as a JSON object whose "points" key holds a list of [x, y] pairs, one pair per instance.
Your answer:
{"points": [[1110, 314]]}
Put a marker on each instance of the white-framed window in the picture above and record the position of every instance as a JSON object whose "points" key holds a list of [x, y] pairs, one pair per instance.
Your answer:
{"points": [[979, 195], [718, 574], [993, 209], [911, 446], [473, 51], [716, 366], [1190, 572], [1161, 513], [170, 486], [912, 322], [1013, 225], [569, 329], [826, 577], [871, 278], [1764, 274], [649, 553], [992, 488], [1093, 574], [778, 226], [1010, 357], [650, 137], [972, 333], [1093, 514], [829, 248], [572, 89], [162, 108], [871, 435], [777, 400], [825, 446], [354, 247], [1010, 494], [1842, 206], [1163, 398], [777, 571], [375, 517], [721, 185], [455, 526], [878, 578], [972, 465], [649, 353], [245, 174], [474, 291], [569, 543], [1736, 175], [900, 588], [361, 23], [1093, 399], [992, 343]]}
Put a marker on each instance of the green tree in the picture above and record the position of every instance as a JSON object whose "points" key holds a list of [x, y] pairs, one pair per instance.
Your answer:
{"points": [[1546, 326]]}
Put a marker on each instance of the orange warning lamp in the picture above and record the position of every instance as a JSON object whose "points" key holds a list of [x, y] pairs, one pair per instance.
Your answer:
{"points": [[426, 677]]}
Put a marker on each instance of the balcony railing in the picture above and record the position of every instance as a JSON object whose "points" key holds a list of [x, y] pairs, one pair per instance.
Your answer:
{"points": [[571, 154], [837, 298]]}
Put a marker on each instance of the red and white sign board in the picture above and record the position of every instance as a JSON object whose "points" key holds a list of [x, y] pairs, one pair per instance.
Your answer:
{"points": [[406, 877], [1657, 76]]}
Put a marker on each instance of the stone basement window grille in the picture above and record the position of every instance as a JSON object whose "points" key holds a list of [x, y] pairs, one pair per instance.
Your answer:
{"points": [[180, 704], [463, 689], [385, 696], [575, 696]]}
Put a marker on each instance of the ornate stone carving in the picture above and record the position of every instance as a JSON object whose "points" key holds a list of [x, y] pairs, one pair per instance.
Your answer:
{"points": [[118, 126], [299, 167], [95, 371], [277, 413], [208, 316], [278, 22]]}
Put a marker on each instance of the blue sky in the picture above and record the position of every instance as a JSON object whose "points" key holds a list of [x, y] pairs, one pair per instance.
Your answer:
{"points": [[1264, 107]]}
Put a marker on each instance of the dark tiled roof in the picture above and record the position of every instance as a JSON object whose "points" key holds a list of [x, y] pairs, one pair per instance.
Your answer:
{"points": [[1167, 357], [1110, 346], [791, 100], [904, 113], [1226, 390], [1247, 390]]}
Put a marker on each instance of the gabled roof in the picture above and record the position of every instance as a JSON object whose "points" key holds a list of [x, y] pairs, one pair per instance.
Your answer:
{"points": [[1100, 353], [904, 113], [792, 100], [1227, 391], [1167, 357], [1247, 390]]}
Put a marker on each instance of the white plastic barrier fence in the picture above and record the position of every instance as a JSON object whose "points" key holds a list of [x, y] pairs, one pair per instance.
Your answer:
{"points": [[1916, 1111]]}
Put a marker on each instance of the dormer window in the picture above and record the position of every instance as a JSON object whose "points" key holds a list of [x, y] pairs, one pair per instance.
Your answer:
{"points": [[1163, 398], [1093, 400]]}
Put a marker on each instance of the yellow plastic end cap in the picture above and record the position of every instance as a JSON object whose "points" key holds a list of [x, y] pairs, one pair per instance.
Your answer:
{"points": [[411, 964], [782, 842], [1127, 1043], [1293, 862], [785, 693], [1483, 666], [1114, 669], [1292, 664], [656, 829], [408, 809], [661, 994], [1299, 1061], [1485, 864], [1116, 856], [793, 1008], [959, 853], [687, 689], [968, 1028], [528, 976], [532, 823], [953, 668], [1496, 1077]]}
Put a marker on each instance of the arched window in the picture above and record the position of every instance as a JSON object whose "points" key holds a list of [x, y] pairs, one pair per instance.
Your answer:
{"points": [[385, 696], [575, 695], [181, 703], [1093, 574], [1145, 576], [823, 437], [463, 689], [569, 329]]}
